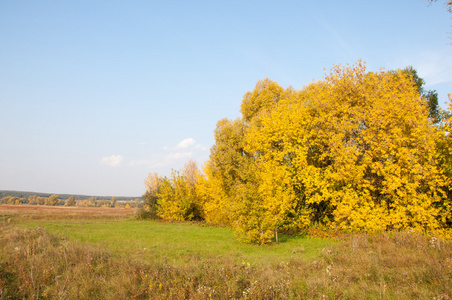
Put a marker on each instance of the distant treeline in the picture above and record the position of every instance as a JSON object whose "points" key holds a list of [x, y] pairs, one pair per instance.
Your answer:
{"points": [[21, 194], [54, 200]]}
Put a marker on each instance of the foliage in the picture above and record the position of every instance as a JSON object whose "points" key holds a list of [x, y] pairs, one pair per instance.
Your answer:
{"points": [[70, 201], [150, 209], [264, 97], [357, 151], [53, 200], [178, 199], [174, 198], [41, 200], [233, 174], [210, 190], [444, 148], [113, 201], [431, 96], [10, 200]]}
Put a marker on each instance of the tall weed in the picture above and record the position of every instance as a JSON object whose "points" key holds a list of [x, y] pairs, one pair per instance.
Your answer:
{"points": [[34, 264]]}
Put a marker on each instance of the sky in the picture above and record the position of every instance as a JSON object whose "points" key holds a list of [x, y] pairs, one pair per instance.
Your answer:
{"points": [[96, 94]]}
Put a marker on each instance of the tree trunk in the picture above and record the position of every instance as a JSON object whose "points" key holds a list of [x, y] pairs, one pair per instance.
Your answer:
{"points": [[276, 234]]}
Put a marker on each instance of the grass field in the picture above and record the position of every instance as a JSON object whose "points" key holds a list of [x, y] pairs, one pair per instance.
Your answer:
{"points": [[152, 240], [95, 253]]}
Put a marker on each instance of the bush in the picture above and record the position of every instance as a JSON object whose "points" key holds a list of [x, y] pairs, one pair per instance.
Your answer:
{"points": [[142, 214]]}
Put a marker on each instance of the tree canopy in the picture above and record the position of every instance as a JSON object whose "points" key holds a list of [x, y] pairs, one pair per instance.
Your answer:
{"points": [[356, 151]]}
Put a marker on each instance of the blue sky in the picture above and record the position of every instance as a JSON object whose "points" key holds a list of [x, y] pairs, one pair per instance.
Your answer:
{"points": [[94, 95]]}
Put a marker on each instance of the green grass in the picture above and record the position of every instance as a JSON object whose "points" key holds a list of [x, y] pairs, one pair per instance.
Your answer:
{"points": [[179, 242], [92, 256]]}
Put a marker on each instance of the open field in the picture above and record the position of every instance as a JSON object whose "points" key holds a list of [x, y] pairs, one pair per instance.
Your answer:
{"points": [[62, 212], [114, 230], [90, 253]]}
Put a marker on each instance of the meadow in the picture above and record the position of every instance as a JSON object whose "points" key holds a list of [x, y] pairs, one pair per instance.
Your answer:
{"points": [[105, 253]]}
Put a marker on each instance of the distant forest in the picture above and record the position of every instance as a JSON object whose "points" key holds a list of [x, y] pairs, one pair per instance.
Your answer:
{"points": [[21, 194]]}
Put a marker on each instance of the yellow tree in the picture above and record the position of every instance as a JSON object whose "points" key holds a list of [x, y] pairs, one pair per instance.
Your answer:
{"points": [[41, 200], [177, 195], [232, 188], [227, 171], [288, 184], [249, 223], [238, 173], [227, 155], [264, 97], [191, 175], [381, 148], [53, 200], [32, 200], [70, 201], [358, 149], [153, 184], [444, 147], [209, 188], [113, 201]]}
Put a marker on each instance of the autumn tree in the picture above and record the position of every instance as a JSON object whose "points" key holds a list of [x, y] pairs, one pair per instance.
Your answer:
{"points": [[113, 201], [231, 171], [70, 201], [41, 200], [86, 203], [53, 200], [210, 188], [13, 200], [153, 184], [444, 149], [177, 197], [32, 200], [431, 96], [264, 97], [227, 155], [358, 150]]}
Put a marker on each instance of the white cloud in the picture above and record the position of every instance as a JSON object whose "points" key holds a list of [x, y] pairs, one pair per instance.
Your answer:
{"points": [[200, 147], [113, 161], [186, 143], [172, 157], [159, 161], [178, 155], [141, 162]]}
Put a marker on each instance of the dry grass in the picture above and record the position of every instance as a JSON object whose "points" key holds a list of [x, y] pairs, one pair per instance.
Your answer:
{"points": [[404, 266], [42, 266], [389, 266], [34, 264], [41, 212]]}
